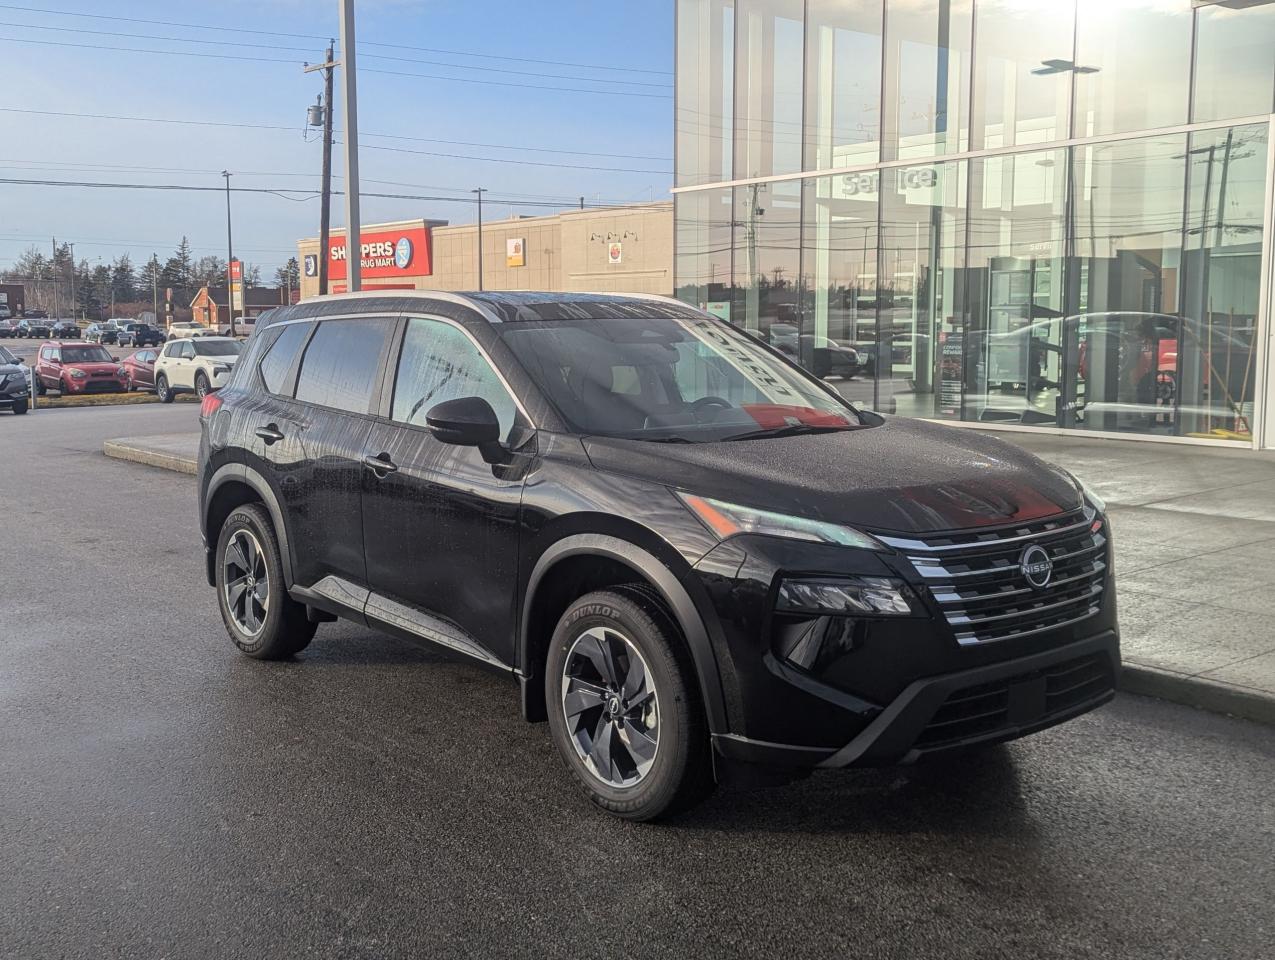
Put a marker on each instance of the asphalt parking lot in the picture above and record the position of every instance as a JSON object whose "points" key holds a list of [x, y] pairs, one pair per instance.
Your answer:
{"points": [[163, 796]]}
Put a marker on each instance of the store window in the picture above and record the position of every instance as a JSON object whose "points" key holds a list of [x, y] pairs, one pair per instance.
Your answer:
{"points": [[705, 90], [1234, 60], [838, 337], [1130, 67], [1128, 199], [702, 222], [1208, 371], [1012, 346], [767, 240], [927, 78], [921, 295], [843, 83], [1022, 75], [768, 58]]}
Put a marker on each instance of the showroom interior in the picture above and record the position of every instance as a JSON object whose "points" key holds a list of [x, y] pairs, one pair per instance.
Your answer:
{"points": [[1044, 216]]}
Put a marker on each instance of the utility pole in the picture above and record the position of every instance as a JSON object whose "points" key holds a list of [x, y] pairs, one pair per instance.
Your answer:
{"points": [[230, 260], [53, 269], [75, 300], [325, 210], [155, 295], [353, 246], [480, 191]]}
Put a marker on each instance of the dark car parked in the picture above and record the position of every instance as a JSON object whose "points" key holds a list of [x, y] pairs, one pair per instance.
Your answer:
{"points": [[15, 389], [35, 329], [139, 369], [65, 330], [139, 335], [689, 552], [8, 328]]}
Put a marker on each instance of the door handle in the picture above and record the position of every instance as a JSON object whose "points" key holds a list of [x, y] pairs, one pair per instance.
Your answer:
{"points": [[269, 433], [381, 464]]}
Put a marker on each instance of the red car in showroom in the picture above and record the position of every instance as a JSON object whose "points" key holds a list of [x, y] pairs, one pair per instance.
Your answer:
{"points": [[78, 368], [139, 369]]}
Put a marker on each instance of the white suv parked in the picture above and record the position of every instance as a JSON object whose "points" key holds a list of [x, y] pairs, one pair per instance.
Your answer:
{"points": [[188, 328], [201, 365]]}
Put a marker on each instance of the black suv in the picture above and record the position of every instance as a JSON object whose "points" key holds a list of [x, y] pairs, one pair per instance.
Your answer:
{"points": [[15, 389], [139, 335], [688, 551]]}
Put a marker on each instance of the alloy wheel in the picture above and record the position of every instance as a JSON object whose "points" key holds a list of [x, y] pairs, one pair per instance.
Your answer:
{"points": [[246, 582], [611, 707]]}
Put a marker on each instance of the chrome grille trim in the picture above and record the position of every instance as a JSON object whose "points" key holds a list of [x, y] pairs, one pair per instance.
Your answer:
{"points": [[980, 587]]}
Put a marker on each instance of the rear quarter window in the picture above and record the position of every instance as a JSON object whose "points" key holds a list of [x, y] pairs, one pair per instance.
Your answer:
{"points": [[278, 359]]}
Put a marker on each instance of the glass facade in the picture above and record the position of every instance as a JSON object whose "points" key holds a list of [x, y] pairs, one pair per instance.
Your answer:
{"points": [[1002, 211]]}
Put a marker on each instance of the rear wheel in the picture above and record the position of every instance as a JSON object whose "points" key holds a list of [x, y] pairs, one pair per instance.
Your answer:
{"points": [[162, 389], [624, 706], [262, 620]]}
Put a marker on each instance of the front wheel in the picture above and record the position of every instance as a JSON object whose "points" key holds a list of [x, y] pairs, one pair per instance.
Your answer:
{"points": [[201, 386], [624, 706], [262, 620], [162, 389], [19, 407]]}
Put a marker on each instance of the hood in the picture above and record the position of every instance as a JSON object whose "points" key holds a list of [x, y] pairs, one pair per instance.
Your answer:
{"points": [[905, 476]]}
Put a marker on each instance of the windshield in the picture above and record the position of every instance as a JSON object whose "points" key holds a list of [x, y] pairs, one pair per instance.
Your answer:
{"points": [[86, 355], [218, 348], [683, 379]]}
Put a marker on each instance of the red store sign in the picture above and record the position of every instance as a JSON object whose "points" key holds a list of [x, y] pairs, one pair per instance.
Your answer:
{"points": [[394, 253]]}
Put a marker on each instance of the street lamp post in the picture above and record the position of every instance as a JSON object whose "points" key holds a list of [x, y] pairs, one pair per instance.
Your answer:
{"points": [[230, 259], [353, 246], [479, 191]]}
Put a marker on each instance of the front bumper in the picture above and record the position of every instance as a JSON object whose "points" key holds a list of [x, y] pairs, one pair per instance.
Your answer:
{"points": [[96, 385], [987, 704]]}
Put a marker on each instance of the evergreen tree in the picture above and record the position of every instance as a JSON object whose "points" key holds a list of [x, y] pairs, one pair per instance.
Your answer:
{"points": [[149, 277], [123, 280], [289, 275]]}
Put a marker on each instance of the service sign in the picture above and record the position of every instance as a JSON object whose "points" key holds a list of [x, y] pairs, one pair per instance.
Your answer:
{"points": [[392, 253]]}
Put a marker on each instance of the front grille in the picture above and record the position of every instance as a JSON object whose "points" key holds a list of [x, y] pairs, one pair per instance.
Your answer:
{"points": [[1018, 701], [977, 579], [102, 386]]}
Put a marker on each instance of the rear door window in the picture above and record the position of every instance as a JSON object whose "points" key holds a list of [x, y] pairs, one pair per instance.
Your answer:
{"points": [[341, 364]]}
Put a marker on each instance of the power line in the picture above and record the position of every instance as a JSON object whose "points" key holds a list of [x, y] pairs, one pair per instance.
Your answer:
{"points": [[280, 192], [295, 127], [306, 36], [274, 46], [524, 163]]}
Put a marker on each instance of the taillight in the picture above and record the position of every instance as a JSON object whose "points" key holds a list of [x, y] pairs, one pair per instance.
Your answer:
{"points": [[210, 405]]}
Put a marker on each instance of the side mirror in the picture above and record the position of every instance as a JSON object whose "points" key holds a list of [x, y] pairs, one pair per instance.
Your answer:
{"points": [[467, 422]]}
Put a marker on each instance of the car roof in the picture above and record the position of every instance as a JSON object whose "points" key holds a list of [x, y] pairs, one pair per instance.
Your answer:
{"points": [[493, 306]]}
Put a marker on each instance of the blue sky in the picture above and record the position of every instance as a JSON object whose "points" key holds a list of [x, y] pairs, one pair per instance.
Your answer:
{"points": [[68, 71]]}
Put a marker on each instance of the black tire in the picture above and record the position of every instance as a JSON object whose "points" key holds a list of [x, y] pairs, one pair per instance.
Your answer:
{"points": [[680, 775], [162, 390], [64, 388], [202, 386], [284, 630], [19, 407], [40, 388]]}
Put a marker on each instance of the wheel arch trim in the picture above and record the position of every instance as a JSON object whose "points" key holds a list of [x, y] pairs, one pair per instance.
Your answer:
{"points": [[242, 473], [670, 589]]}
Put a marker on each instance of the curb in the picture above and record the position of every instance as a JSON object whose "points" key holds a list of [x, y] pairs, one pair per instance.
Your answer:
{"points": [[126, 450], [1199, 692]]}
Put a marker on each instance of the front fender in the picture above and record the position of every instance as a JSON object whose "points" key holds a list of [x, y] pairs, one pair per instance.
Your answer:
{"points": [[671, 590]]}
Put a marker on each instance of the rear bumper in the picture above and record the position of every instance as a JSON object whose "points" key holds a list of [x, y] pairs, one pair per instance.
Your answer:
{"points": [[988, 704]]}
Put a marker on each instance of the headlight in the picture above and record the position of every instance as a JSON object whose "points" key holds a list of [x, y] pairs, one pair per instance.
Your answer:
{"points": [[78, 374], [1098, 503], [730, 519], [220, 370], [853, 596]]}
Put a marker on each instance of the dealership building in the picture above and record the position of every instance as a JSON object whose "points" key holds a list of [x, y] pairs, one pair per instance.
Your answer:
{"points": [[614, 249], [1049, 216]]}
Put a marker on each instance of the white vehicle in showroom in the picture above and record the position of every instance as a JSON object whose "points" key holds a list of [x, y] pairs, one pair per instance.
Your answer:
{"points": [[198, 365]]}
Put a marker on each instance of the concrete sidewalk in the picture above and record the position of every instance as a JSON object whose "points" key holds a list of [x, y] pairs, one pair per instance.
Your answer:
{"points": [[1194, 529]]}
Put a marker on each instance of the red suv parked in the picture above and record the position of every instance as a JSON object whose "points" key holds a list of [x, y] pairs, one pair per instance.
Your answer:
{"points": [[75, 367]]}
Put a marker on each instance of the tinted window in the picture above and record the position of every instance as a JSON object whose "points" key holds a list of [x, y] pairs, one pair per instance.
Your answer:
{"points": [[278, 359], [341, 363], [439, 362], [219, 348], [86, 354], [172, 349]]}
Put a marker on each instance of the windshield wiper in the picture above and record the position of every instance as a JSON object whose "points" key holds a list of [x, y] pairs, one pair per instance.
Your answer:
{"points": [[664, 439], [790, 430]]}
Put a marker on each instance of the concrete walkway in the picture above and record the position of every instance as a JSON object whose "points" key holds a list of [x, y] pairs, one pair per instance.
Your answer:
{"points": [[1194, 529]]}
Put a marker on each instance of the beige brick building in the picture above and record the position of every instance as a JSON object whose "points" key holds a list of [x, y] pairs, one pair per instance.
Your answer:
{"points": [[621, 249]]}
